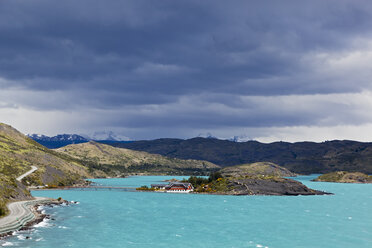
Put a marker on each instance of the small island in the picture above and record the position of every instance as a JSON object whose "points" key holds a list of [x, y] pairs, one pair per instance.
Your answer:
{"points": [[261, 178], [344, 177], [251, 185]]}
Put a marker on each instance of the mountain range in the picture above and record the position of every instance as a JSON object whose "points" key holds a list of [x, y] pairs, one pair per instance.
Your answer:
{"points": [[300, 157]]}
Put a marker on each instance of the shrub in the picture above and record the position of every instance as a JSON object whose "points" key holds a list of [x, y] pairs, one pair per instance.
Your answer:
{"points": [[3, 209], [145, 188]]}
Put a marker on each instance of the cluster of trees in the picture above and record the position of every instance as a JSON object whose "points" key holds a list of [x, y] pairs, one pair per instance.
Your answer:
{"points": [[198, 181]]}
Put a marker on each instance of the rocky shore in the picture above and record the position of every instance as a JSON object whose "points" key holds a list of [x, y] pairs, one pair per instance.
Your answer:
{"points": [[24, 214]]}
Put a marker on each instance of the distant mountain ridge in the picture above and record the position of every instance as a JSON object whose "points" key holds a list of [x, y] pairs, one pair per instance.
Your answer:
{"points": [[61, 140], [300, 157], [59, 137], [58, 140], [107, 136]]}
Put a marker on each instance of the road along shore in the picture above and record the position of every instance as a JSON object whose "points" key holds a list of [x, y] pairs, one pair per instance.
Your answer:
{"points": [[23, 214]]}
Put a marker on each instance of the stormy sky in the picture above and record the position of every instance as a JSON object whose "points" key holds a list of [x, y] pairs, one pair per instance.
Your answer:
{"points": [[264, 70]]}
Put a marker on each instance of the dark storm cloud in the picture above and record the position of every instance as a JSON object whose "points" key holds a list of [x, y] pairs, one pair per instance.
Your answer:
{"points": [[118, 54], [88, 43]]}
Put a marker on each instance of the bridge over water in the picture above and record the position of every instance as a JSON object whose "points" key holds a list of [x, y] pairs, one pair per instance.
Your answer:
{"points": [[99, 187]]}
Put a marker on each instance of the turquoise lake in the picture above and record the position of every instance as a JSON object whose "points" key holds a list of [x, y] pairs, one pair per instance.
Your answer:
{"points": [[115, 218]]}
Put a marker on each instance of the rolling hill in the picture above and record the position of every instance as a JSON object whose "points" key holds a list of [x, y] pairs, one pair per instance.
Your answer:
{"points": [[119, 161]]}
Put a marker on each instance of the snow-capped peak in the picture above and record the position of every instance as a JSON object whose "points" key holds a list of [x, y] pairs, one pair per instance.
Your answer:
{"points": [[207, 135], [36, 136], [240, 138], [107, 135]]}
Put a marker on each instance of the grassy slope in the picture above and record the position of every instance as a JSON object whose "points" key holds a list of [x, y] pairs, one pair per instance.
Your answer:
{"points": [[18, 153], [119, 160], [11, 190]]}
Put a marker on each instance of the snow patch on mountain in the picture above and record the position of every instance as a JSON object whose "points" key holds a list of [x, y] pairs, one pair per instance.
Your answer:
{"points": [[102, 135], [207, 136], [59, 137]]}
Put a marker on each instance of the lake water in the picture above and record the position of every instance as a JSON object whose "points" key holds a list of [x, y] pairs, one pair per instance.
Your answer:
{"points": [[122, 219]]}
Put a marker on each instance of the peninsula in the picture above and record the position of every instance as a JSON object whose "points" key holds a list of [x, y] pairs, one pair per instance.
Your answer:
{"points": [[263, 178], [344, 177]]}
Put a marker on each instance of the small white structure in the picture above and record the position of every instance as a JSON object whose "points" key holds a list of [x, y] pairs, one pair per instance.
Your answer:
{"points": [[174, 187]]}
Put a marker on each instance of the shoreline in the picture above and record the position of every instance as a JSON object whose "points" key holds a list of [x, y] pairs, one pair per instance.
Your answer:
{"points": [[23, 215]]}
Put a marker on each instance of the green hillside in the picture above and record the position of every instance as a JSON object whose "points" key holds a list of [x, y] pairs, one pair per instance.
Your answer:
{"points": [[119, 161], [18, 153]]}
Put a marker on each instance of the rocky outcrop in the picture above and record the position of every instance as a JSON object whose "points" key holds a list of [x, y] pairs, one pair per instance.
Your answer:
{"points": [[271, 186], [259, 168]]}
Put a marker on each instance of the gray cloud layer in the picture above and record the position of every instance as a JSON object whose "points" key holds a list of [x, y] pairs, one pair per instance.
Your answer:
{"points": [[184, 66]]}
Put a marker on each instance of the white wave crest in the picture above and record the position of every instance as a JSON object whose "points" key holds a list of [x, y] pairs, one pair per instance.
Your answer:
{"points": [[40, 208], [44, 223], [7, 244], [21, 237]]}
